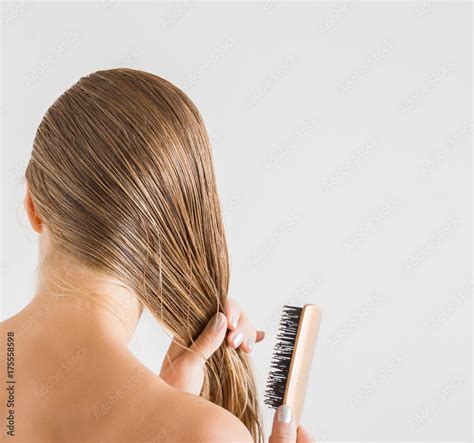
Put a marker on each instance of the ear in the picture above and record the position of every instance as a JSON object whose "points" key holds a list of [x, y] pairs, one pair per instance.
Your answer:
{"points": [[33, 216]]}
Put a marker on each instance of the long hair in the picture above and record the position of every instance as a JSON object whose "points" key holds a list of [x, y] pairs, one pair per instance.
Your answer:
{"points": [[122, 175]]}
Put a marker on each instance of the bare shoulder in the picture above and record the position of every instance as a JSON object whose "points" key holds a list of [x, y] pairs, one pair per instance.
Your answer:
{"points": [[216, 424], [194, 419]]}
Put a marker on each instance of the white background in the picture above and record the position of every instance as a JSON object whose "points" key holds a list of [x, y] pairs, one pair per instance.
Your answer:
{"points": [[342, 144]]}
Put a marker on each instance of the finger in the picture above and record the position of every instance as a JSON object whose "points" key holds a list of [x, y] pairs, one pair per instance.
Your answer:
{"points": [[242, 333], [232, 312], [248, 344], [284, 427], [210, 339], [244, 337], [304, 437], [260, 336], [235, 338], [174, 351]]}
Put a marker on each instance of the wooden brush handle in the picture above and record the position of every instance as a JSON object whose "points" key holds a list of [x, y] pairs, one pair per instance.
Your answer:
{"points": [[301, 360]]}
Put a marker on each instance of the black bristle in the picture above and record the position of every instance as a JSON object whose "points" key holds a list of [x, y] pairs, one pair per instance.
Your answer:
{"points": [[282, 354]]}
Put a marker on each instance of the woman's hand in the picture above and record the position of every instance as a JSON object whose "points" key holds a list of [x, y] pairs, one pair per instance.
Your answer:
{"points": [[242, 334], [284, 428], [184, 368]]}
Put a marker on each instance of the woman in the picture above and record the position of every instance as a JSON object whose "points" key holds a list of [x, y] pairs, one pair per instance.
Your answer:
{"points": [[121, 189]]}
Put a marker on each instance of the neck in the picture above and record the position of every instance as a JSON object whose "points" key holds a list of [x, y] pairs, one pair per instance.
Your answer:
{"points": [[79, 303]]}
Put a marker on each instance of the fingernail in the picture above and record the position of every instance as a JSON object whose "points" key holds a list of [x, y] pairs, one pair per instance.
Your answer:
{"points": [[284, 414], [250, 343], [238, 338], [218, 321], [233, 321]]}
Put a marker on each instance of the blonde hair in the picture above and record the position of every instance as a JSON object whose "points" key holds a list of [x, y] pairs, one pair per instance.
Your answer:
{"points": [[122, 175]]}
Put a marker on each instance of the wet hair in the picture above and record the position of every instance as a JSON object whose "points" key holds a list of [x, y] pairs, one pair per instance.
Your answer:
{"points": [[122, 175]]}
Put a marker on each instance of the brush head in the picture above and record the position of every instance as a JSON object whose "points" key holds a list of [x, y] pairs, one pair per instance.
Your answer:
{"points": [[282, 354]]}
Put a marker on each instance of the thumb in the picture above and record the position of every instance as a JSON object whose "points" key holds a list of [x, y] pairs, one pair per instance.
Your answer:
{"points": [[284, 427], [210, 339]]}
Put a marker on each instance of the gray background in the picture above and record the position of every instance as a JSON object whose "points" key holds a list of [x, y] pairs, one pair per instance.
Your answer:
{"points": [[341, 136]]}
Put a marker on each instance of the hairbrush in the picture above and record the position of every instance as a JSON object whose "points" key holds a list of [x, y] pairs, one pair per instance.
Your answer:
{"points": [[292, 356]]}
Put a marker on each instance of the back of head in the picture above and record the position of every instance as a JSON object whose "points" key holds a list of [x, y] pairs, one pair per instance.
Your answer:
{"points": [[122, 175]]}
